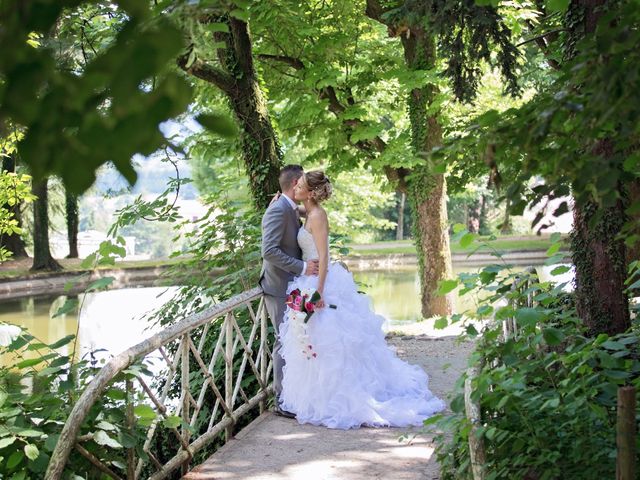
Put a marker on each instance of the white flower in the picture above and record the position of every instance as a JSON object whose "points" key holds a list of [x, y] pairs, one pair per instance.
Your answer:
{"points": [[297, 317], [8, 333]]}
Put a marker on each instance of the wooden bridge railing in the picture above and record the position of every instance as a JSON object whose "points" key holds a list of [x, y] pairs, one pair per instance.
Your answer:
{"points": [[231, 347]]}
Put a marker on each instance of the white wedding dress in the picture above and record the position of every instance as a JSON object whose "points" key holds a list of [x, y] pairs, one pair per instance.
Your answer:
{"points": [[354, 379]]}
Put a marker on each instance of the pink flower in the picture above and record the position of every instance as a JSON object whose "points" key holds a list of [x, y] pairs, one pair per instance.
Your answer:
{"points": [[314, 355], [309, 307], [298, 301]]}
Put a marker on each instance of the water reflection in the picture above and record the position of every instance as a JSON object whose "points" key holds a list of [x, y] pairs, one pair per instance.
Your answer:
{"points": [[114, 320]]}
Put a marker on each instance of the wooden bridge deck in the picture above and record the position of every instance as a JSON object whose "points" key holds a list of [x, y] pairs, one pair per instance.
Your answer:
{"points": [[276, 448]]}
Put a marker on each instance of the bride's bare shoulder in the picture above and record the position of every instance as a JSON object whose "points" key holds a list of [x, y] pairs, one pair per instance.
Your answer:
{"points": [[317, 215]]}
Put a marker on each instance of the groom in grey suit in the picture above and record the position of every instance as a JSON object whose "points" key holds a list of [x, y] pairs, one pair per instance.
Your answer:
{"points": [[281, 260]]}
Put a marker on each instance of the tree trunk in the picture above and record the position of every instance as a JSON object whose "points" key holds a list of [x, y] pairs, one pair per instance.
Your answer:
{"points": [[427, 191], [400, 226], [599, 258], [598, 253], [474, 213], [260, 149], [506, 228], [71, 207], [13, 243], [42, 259], [632, 229], [236, 77], [431, 235], [484, 229]]}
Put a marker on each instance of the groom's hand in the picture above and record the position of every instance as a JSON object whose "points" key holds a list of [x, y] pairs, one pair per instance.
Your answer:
{"points": [[312, 267], [276, 196]]}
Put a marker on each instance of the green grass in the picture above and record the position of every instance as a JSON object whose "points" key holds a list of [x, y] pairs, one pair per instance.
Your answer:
{"points": [[483, 244]]}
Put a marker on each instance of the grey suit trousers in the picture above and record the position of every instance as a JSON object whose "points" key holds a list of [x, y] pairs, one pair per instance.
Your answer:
{"points": [[275, 309]]}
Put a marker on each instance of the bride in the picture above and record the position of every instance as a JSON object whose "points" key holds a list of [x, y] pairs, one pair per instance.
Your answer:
{"points": [[339, 371]]}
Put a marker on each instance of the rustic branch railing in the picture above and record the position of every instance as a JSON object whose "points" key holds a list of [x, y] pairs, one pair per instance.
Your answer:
{"points": [[229, 394], [473, 410]]}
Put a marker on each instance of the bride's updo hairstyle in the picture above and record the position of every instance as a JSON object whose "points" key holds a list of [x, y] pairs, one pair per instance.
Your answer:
{"points": [[319, 185]]}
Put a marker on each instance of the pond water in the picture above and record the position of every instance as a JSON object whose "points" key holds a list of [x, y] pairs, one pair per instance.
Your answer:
{"points": [[114, 320]]}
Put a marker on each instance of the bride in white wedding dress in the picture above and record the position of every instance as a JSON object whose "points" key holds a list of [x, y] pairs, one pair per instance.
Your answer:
{"points": [[339, 371]]}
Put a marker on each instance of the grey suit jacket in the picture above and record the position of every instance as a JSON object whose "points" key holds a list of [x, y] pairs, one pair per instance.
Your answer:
{"points": [[281, 254]]}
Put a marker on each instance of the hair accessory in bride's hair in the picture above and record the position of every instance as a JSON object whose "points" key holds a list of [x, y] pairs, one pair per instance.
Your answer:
{"points": [[319, 184]]}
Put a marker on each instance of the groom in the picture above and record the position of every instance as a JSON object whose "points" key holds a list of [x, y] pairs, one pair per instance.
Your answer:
{"points": [[281, 261]]}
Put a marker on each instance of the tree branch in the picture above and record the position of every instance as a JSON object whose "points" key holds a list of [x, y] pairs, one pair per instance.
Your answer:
{"points": [[544, 46], [242, 45], [374, 10], [207, 73], [541, 36], [291, 61]]}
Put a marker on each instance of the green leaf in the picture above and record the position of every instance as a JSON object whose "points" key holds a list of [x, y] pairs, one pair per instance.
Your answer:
{"points": [[560, 270], [553, 336], [240, 14], [219, 124], [467, 239], [61, 342], [528, 316], [471, 331], [459, 227], [557, 5], [101, 438], [28, 432], [172, 421], [616, 374], [613, 345], [70, 305], [440, 323], [100, 284], [218, 27], [31, 451], [446, 286], [5, 442], [553, 249], [15, 459], [144, 411]]}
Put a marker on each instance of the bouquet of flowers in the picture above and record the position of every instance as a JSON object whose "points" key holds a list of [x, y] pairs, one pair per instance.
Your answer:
{"points": [[302, 304], [304, 301]]}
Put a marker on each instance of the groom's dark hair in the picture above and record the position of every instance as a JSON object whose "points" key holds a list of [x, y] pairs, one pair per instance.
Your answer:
{"points": [[288, 175]]}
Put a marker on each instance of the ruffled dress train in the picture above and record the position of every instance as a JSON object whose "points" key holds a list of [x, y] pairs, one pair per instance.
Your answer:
{"points": [[339, 371]]}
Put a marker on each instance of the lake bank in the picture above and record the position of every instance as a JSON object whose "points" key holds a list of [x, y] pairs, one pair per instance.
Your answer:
{"points": [[127, 274]]}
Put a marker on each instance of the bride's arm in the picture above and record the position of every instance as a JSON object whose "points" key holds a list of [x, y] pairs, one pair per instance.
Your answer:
{"points": [[320, 231]]}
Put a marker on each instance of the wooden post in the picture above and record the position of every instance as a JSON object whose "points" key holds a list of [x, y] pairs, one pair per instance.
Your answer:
{"points": [[131, 451], [262, 318], [228, 378], [626, 434], [476, 442], [185, 397]]}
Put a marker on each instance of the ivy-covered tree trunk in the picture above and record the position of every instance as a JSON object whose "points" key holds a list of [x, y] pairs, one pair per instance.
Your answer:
{"points": [[427, 190], [42, 259], [13, 243], [236, 76], [599, 255], [71, 208]]}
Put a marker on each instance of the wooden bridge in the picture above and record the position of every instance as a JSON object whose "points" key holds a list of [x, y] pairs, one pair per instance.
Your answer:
{"points": [[200, 378]]}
